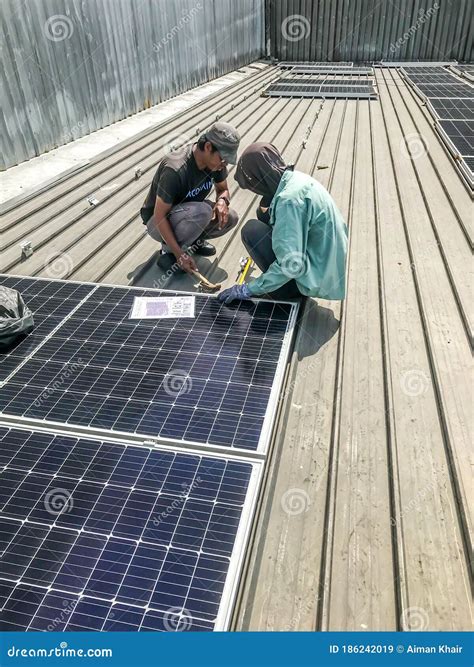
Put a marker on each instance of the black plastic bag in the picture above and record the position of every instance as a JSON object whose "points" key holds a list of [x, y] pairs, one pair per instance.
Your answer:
{"points": [[16, 319]]}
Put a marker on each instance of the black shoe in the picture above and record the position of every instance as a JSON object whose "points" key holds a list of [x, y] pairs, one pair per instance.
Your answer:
{"points": [[167, 262], [203, 248]]}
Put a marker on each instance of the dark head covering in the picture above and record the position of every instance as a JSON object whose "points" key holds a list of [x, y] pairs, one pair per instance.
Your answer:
{"points": [[260, 169]]}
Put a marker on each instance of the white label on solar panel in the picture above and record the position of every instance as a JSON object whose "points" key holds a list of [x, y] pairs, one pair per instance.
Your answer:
{"points": [[166, 307]]}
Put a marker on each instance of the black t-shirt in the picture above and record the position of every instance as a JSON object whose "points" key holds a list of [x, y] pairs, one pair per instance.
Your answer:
{"points": [[178, 180]]}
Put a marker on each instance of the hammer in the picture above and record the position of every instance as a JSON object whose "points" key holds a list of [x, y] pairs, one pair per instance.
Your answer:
{"points": [[205, 284]]}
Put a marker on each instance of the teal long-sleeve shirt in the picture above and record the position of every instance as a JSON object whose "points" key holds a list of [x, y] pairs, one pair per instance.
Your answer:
{"points": [[309, 239]]}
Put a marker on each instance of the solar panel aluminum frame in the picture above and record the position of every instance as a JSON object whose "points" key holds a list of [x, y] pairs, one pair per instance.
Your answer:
{"points": [[407, 79], [423, 96], [416, 63], [456, 157], [268, 422], [458, 151], [466, 173], [285, 64], [362, 95], [236, 560], [436, 115], [57, 327], [357, 71], [462, 72]]}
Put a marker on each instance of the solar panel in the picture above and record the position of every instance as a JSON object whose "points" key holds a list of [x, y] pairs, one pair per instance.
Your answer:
{"points": [[213, 379], [459, 90], [461, 134], [452, 108], [326, 81], [445, 79], [309, 63], [50, 303], [348, 91], [424, 70], [428, 64], [466, 68], [469, 160], [303, 69], [102, 535]]}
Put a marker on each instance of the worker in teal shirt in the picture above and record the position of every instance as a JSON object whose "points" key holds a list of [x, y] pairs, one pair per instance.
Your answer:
{"points": [[299, 240]]}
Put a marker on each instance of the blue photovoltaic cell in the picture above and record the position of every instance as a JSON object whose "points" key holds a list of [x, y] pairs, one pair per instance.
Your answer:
{"points": [[50, 302], [206, 379], [102, 536]]}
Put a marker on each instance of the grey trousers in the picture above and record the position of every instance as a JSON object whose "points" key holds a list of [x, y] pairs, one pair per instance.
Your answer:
{"points": [[192, 221]]}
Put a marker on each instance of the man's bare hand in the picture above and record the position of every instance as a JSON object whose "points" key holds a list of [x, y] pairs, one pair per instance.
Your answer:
{"points": [[221, 212], [186, 262]]}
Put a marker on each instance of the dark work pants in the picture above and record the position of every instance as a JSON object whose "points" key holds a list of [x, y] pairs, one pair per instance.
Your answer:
{"points": [[257, 238]]}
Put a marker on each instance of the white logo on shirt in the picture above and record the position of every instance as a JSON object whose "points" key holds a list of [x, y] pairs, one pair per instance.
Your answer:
{"points": [[193, 193]]}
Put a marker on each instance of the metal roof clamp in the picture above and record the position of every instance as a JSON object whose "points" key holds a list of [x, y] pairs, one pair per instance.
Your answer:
{"points": [[138, 173], [92, 201], [26, 249]]}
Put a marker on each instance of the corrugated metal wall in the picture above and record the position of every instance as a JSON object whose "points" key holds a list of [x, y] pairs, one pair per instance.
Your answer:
{"points": [[70, 67], [366, 30]]}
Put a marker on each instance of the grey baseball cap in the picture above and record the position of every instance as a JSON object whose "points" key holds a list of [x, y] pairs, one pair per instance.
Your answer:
{"points": [[226, 139]]}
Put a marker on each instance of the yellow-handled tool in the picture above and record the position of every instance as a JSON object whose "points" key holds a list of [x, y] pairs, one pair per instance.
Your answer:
{"points": [[245, 264]]}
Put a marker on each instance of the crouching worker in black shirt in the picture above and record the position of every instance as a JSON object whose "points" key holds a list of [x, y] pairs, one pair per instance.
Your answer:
{"points": [[176, 211]]}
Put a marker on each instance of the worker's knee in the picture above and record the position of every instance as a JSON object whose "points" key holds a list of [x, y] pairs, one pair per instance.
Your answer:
{"points": [[152, 229], [197, 213], [251, 233]]}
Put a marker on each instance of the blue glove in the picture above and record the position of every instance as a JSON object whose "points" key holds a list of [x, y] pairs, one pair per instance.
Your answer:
{"points": [[233, 293]]}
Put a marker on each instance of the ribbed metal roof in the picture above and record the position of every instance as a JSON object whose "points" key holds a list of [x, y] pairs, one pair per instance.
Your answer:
{"points": [[365, 520]]}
